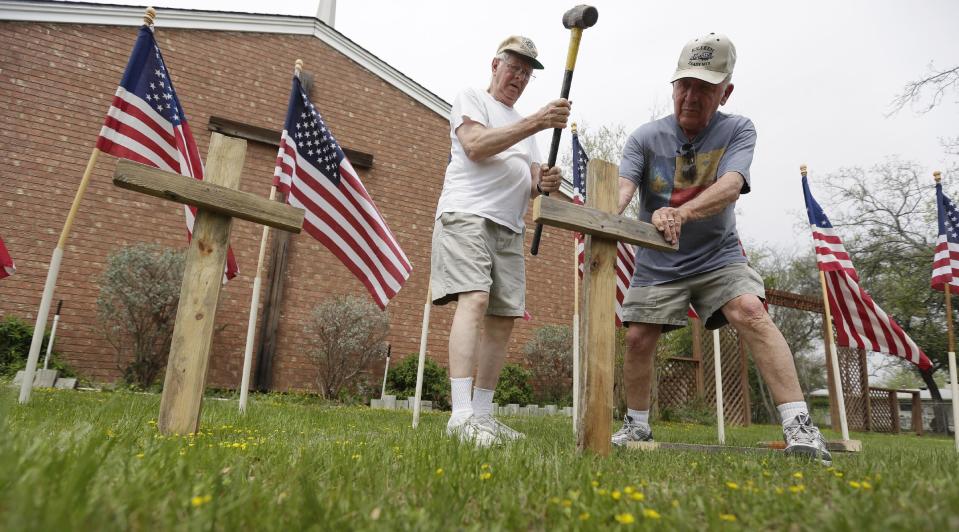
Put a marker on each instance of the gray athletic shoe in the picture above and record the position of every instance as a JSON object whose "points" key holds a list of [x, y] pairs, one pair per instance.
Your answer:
{"points": [[503, 432], [632, 431], [470, 431], [804, 439]]}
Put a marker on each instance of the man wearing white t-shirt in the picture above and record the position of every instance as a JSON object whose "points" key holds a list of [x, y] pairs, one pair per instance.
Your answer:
{"points": [[477, 256]]}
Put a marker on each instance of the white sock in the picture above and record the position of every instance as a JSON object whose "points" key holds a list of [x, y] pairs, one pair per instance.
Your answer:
{"points": [[482, 401], [461, 391], [638, 416], [789, 411]]}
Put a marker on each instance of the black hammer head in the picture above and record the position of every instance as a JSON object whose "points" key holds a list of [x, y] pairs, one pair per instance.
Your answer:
{"points": [[581, 16]]}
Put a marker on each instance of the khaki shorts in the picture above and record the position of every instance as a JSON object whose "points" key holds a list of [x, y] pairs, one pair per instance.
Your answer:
{"points": [[668, 303], [471, 253]]}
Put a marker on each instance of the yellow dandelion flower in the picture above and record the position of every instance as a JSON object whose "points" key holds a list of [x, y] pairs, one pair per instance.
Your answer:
{"points": [[727, 517], [484, 466], [595, 483], [554, 500], [637, 496], [486, 475], [866, 485], [140, 455], [675, 503], [628, 489], [838, 474], [616, 495], [767, 474], [855, 484], [200, 500], [602, 492], [625, 519], [780, 491], [584, 516], [798, 488], [797, 474], [732, 485], [356, 457], [439, 471], [567, 503], [649, 513]]}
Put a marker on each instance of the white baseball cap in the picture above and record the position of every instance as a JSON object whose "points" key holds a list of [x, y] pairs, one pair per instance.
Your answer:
{"points": [[710, 58]]}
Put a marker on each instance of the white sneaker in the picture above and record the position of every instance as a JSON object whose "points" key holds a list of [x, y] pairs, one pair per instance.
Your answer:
{"points": [[503, 432], [804, 439], [632, 431], [470, 431]]}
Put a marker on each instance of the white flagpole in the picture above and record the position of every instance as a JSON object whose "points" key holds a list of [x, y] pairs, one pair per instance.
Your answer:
{"points": [[254, 310], [422, 356], [718, 367], [953, 384], [831, 344], [386, 369], [53, 335], [51, 283]]}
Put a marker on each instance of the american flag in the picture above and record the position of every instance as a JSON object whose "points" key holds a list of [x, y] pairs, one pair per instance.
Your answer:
{"points": [[945, 265], [317, 177], [625, 256], [7, 268], [858, 319], [146, 123]]}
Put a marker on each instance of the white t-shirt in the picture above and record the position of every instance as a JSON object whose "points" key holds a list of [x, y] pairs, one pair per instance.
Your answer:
{"points": [[498, 187]]}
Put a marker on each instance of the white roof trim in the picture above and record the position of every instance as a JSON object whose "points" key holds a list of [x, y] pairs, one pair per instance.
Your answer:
{"points": [[112, 15]]}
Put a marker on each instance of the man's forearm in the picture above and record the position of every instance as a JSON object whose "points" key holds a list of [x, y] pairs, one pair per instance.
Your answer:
{"points": [[482, 142], [714, 199]]}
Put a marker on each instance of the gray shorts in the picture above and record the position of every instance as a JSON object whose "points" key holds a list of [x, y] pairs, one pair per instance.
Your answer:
{"points": [[668, 303], [471, 253]]}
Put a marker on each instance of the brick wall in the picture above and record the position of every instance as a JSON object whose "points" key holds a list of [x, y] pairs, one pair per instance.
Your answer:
{"points": [[56, 83]]}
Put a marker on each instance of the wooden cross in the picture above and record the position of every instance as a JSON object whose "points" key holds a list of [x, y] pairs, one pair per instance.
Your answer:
{"points": [[218, 201], [598, 344]]}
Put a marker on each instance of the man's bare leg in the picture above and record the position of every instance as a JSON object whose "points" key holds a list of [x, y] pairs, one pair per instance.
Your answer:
{"points": [[768, 346], [465, 333], [492, 350], [641, 341]]}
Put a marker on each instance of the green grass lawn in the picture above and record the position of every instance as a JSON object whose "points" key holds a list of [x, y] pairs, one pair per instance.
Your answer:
{"points": [[95, 461]]}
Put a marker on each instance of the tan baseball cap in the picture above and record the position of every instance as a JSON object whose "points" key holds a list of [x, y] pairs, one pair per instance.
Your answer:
{"points": [[710, 58], [522, 46]]}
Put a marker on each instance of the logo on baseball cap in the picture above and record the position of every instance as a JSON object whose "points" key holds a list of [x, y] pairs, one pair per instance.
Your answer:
{"points": [[522, 46], [710, 58]]}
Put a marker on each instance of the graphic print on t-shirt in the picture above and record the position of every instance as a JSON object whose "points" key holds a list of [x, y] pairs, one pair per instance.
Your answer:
{"points": [[683, 189]]}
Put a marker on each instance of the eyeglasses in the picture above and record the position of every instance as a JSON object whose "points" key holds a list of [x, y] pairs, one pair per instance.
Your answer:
{"points": [[688, 153], [518, 70]]}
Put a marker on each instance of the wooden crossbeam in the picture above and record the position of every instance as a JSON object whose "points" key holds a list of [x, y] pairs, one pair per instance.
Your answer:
{"points": [[207, 195], [606, 225]]}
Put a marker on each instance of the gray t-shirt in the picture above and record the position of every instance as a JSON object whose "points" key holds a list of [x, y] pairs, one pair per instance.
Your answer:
{"points": [[653, 159]]}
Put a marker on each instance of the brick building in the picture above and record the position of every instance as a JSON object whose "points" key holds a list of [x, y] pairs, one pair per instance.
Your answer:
{"points": [[59, 67]]}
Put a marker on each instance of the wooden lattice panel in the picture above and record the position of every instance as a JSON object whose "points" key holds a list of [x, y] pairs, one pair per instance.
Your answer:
{"points": [[676, 382], [882, 411], [735, 394], [855, 386]]}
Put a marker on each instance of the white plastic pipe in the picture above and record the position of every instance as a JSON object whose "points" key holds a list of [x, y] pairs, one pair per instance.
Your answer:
{"points": [[954, 386], [422, 359], [718, 367], [53, 336], [38, 329], [840, 398]]}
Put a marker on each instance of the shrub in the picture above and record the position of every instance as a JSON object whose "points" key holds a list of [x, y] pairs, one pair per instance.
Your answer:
{"points": [[514, 386], [136, 308], [697, 411], [345, 335], [436, 383], [15, 338], [550, 357]]}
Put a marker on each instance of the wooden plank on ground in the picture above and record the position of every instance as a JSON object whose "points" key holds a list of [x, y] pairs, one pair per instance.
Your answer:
{"points": [[835, 446]]}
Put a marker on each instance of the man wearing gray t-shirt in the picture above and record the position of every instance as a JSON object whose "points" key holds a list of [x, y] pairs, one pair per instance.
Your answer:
{"points": [[690, 168]]}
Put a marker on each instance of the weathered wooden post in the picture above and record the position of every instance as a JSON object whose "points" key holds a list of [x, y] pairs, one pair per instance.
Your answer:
{"points": [[217, 202], [603, 228]]}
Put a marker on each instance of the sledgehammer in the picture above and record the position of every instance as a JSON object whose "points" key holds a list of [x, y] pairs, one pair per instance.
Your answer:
{"points": [[575, 20]]}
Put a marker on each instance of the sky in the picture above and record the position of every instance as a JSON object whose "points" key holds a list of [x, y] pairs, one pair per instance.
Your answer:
{"points": [[816, 77]]}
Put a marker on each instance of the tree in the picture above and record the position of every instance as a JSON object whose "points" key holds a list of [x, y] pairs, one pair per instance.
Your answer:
{"points": [[136, 308], [345, 335]]}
